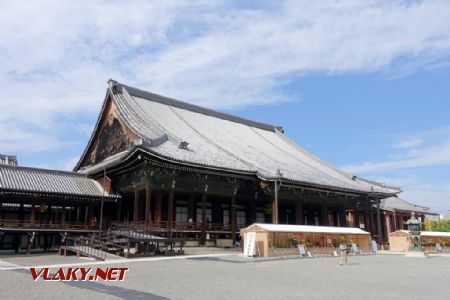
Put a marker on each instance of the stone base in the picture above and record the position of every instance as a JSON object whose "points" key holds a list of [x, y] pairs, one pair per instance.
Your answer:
{"points": [[416, 254]]}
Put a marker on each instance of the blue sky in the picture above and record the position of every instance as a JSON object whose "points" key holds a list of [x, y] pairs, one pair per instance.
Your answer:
{"points": [[364, 85]]}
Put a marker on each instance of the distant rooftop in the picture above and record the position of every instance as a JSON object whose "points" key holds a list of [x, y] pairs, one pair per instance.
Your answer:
{"points": [[8, 160]]}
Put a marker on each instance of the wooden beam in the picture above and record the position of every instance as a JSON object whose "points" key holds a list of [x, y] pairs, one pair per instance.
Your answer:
{"points": [[136, 205], [233, 215], [33, 214], [158, 207], [275, 204], [148, 202], [324, 213], [356, 217], [299, 213], [380, 234], [203, 235], [170, 208], [191, 206], [63, 215]]}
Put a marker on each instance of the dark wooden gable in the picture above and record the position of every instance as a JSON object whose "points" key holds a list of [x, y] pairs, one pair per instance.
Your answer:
{"points": [[111, 137]]}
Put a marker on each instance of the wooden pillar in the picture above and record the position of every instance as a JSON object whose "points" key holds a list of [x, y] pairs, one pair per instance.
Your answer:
{"points": [[371, 219], [56, 216], [119, 210], [356, 216], [21, 213], [148, 204], [136, 205], [233, 215], [342, 217], [275, 204], [90, 211], [380, 234], [299, 213], [63, 215], [33, 214], [203, 235], [158, 208], [70, 217], [324, 214], [170, 209], [191, 207], [16, 243], [86, 214], [77, 218], [388, 223], [252, 211], [49, 214]]}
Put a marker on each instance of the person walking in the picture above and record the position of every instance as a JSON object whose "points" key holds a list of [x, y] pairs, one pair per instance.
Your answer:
{"points": [[343, 249]]}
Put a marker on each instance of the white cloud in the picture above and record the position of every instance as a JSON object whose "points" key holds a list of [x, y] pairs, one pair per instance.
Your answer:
{"points": [[420, 167], [408, 143], [425, 149], [57, 55], [435, 197]]}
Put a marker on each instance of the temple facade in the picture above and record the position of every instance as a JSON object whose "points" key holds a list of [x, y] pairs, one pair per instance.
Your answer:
{"points": [[203, 174], [170, 169]]}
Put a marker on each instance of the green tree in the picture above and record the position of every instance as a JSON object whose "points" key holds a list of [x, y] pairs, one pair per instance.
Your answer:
{"points": [[444, 225]]}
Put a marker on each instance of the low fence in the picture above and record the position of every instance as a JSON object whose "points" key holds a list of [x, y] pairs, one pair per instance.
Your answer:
{"points": [[17, 224]]}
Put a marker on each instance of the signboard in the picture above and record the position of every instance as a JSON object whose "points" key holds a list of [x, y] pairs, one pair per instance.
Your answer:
{"points": [[301, 249], [374, 246], [249, 246]]}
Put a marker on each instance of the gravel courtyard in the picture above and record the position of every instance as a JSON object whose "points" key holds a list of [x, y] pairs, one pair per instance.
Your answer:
{"points": [[235, 277]]}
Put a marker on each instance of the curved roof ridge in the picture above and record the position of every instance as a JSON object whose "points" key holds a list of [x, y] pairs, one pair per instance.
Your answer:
{"points": [[42, 170], [410, 203], [116, 86]]}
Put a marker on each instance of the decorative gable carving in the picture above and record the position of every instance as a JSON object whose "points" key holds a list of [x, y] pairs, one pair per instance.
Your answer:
{"points": [[112, 140], [111, 137]]}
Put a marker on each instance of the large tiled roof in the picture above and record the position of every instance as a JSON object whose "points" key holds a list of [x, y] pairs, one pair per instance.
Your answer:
{"points": [[33, 180], [226, 142]]}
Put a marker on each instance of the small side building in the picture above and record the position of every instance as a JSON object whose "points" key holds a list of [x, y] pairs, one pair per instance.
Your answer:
{"points": [[274, 239], [38, 206]]}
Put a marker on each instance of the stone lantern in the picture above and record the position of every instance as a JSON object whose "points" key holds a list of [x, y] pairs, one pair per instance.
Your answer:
{"points": [[414, 225]]}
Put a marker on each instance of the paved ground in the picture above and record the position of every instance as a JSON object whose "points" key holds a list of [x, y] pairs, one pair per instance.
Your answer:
{"points": [[234, 277]]}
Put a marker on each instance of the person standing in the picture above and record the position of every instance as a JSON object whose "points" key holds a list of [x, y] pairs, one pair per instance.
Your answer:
{"points": [[343, 249]]}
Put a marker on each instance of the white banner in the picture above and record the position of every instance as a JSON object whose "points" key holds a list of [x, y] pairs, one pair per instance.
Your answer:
{"points": [[249, 246]]}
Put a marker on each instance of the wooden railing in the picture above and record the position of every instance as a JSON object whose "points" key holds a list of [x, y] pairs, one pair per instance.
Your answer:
{"points": [[176, 226], [96, 246], [84, 246], [13, 224]]}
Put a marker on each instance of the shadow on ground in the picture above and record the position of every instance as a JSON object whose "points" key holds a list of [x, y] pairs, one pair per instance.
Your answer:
{"points": [[116, 291]]}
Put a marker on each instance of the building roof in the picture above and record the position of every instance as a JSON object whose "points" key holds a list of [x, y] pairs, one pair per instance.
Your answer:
{"points": [[306, 228], [16, 179], [424, 233], [434, 234], [8, 160], [221, 141], [398, 204]]}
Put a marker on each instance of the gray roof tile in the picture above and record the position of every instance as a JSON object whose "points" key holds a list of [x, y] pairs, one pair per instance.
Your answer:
{"points": [[24, 179], [226, 142]]}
